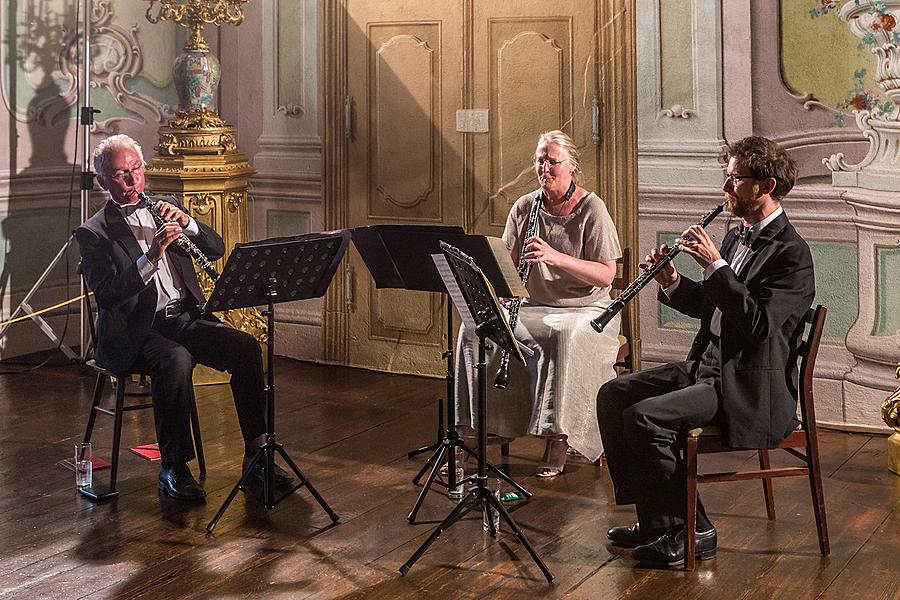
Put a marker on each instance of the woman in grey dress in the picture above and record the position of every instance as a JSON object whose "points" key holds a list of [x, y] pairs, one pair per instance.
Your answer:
{"points": [[573, 262]]}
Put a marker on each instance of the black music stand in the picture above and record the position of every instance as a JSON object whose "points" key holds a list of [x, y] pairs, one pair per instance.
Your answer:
{"points": [[268, 272], [477, 303], [399, 256]]}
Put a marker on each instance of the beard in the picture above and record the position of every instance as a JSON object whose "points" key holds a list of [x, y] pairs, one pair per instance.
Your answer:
{"points": [[739, 207]]}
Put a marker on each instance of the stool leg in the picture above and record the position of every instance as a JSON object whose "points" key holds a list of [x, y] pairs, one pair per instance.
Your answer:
{"points": [[195, 427], [764, 465], [117, 432], [95, 403], [690, 516]]}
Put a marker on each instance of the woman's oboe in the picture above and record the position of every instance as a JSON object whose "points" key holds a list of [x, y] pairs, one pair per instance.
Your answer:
{"points": [[183, 240], [524, 268], [646, 276]]}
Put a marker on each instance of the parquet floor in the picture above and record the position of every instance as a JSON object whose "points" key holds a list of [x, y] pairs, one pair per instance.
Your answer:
{"points": [[350, 430]]}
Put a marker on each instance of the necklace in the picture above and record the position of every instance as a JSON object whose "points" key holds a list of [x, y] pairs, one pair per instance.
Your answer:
{"points": [[566, 197]]}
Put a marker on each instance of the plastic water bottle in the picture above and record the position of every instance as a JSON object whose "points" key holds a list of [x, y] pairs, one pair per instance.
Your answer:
{"points": [[456, 492]]}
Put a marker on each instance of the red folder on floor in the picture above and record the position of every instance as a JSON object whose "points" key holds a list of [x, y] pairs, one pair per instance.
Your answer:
{"points": [[148, 451]]}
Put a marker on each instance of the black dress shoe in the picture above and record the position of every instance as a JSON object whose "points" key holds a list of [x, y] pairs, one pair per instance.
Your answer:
{"points": [[668, 550], [176, 481], [280, 477], [632, 536]]}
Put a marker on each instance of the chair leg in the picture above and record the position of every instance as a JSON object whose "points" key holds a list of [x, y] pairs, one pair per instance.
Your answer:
{"points": [[504, 449], [117, 433], [95, 403], [817, 493], [195, 428], [767, 484], [690, 514]]}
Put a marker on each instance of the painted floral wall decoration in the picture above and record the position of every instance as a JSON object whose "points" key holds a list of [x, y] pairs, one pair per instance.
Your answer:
{"points": [[863, 95]]}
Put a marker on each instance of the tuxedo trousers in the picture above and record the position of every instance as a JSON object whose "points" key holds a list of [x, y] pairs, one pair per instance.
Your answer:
{"points": [[641, 416], [168, 355]]}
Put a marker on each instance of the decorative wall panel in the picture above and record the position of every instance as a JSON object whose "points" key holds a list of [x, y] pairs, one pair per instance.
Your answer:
{"points": [[406, 145], [531, 92]]}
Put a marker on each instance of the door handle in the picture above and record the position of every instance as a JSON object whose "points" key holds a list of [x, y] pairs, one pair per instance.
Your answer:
{"points": [[348, 117]]}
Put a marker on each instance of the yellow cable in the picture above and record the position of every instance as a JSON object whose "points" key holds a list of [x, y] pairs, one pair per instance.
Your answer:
{"points": [[42, 311]]}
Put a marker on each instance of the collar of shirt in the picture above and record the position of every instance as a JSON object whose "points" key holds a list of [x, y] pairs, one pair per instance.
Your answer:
{"points": [[757, 229]]}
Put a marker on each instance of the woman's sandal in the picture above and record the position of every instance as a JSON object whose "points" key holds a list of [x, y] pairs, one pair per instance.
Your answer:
{"points": [[554, 460]]}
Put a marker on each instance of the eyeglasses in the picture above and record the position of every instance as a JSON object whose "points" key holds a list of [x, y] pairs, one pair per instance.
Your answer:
{"points": [[121, 175], [733, 179], [547, 161]]}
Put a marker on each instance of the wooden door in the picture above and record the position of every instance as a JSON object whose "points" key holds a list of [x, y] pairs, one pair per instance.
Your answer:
{"points": [[405, 82]]}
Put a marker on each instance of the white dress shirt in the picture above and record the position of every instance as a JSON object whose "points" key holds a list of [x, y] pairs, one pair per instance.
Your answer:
{"points": [[169, 285]]}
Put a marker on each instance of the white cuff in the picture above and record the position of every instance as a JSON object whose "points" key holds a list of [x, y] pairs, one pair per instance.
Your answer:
{"points": [[146, 268], [713, 267], [192, 228], [668, 291]]}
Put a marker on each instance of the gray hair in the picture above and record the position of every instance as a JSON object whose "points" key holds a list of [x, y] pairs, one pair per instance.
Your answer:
{"points": [[101, 154], [566, 145]]}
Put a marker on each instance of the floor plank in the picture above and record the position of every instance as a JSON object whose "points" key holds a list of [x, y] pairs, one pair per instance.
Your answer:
{"points": [[349, 431]]}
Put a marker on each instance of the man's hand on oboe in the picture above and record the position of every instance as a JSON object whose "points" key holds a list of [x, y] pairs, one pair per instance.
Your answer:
{"points": [[667, 275], [697, 243]]}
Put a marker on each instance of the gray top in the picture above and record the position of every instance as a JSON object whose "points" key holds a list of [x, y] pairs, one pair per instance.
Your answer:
{"points": [[588, 233]]}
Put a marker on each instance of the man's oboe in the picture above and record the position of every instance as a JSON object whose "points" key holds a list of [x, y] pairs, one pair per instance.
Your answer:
{"points": [[183, 240], [647, 276]]}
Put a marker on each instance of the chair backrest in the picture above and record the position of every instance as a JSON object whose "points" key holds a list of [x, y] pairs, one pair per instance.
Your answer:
{"points": [[89, 312], [807, 352], [628, 358]]}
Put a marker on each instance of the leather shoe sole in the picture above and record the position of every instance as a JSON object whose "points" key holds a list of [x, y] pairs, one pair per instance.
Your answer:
{"points": [[632, 536], [668, 550]]}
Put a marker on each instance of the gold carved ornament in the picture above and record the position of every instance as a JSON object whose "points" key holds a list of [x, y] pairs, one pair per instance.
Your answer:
{"points": [[890, 410], [195, 14]]}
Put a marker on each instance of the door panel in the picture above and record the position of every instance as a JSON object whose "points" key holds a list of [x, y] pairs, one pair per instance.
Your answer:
{"points": [[534, 70], [404, 165]]}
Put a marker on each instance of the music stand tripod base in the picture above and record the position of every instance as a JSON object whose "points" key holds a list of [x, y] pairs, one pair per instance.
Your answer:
{"points": [[476, 301], [266, 272]]}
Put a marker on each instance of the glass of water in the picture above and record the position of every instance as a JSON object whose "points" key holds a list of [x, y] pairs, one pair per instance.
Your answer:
{"points": [[84, 454], [493, 486]]}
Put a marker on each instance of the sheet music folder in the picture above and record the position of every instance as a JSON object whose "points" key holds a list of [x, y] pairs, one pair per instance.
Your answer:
{"points": [[301, 266], [399, 256]]}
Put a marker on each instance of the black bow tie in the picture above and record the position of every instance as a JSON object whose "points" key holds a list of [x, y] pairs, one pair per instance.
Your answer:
{"points": [[129, 209], [745, 234]]}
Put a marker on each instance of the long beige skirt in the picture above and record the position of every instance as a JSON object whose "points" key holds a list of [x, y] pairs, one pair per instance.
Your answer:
{"points": [[555, 392]]}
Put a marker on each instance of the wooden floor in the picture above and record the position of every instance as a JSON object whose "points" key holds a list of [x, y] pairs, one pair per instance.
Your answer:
{"points": [[349, 431]]}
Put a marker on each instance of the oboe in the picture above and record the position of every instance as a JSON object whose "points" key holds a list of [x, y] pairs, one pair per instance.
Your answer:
{"points": [[646, 276], [183, 240], [524, 269]]}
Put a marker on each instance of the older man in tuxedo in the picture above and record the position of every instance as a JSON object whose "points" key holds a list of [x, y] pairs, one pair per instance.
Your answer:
{"points": [[738, 373], [148, 295]]}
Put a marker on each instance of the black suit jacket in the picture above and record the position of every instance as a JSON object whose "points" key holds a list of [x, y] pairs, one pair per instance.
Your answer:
{"points": [[761, 306], [126, 306]]}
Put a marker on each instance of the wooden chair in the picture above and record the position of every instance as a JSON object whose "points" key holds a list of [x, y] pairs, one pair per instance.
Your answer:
{"points": [[625, 362], [708, 439], [96, 491]]}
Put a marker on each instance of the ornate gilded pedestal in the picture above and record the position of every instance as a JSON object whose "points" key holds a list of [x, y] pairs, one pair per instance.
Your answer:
{"points": [[197, 159], [890, 412]]}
